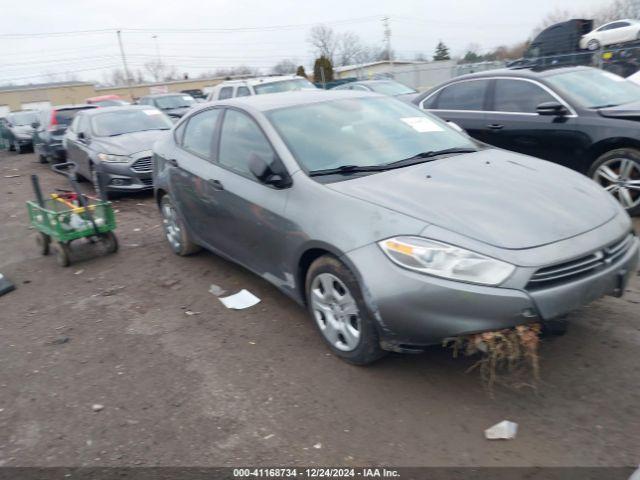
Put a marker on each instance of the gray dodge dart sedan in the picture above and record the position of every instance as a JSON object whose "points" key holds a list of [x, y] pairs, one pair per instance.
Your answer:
{"points": [[393, 229]]}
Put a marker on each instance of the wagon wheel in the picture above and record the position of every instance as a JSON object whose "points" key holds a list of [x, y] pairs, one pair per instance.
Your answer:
{"points": [[62, 254], [110, 242], [44, 242]]}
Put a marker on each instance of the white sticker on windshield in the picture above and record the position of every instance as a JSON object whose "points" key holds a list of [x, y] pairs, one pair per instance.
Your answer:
{"points": [[152, 112], [187, 97], [422, 124]]}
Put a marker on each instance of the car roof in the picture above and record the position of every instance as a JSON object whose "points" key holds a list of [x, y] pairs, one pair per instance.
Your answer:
{"points": [[528, 72], [117, 108], [170, 94], [273, 101], [72, 107], [258, 80]]}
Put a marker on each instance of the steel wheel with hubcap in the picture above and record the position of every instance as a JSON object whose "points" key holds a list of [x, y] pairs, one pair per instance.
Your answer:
{"points": [[335, 302], [593, 45], [335, 311], [618, 172], [175, 233]]}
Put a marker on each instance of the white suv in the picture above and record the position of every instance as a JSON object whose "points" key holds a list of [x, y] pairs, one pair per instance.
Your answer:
{"points": [[258, 86]]}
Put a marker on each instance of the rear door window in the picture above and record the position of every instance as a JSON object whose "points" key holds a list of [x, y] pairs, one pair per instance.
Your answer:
{"points": [[467, 95], [241, 140], [243, 92], [198, 134], [65, 117], [225, 92], [519, 96]]}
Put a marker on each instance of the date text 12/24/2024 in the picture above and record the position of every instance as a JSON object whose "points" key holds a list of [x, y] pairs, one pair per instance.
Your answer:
{"points": [[316, 472]]}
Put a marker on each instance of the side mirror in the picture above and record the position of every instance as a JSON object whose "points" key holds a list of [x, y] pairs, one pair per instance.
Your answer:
{"points": [[269, 174], [551, 108], [81, 136]]}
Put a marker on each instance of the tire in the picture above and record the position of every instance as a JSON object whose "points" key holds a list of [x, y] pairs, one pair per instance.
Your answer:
{"points": [[18, 148], [44, 243], [63, 254], [338, 310], [43, 158], [96, 187], [593, 45], [110, 242], [614, 171], [175, 231]]}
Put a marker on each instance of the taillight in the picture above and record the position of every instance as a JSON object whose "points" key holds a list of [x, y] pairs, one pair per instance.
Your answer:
{"points": [[53, 124]]}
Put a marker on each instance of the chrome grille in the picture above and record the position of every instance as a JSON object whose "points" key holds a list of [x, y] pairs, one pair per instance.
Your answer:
{"points": [[580, 267], [142, 165]]}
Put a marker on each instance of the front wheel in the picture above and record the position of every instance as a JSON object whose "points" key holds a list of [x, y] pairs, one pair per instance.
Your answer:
{"points": [[175, 232], [110, 242], [593, 45], [63, 254], [339, 312], [618, 172]]}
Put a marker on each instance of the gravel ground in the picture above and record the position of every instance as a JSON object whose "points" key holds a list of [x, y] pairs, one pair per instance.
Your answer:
{"points": [[258, 386]]}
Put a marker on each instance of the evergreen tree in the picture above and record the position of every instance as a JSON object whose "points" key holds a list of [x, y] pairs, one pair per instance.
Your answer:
{"points": [[442, 52], [322, 64], [300, 72]]}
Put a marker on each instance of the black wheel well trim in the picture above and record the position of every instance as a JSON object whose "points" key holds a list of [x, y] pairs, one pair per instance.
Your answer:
{"points": [[159, 192], [315, 250], [603, 146]]}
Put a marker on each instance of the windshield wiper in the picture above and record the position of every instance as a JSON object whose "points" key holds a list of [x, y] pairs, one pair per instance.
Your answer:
{"points": [[426, 156], [609, 105], [418, 158], [345, 169]]}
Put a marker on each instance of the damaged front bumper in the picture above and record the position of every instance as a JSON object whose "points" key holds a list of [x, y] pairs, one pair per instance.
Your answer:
{"points": [[415, 310]]}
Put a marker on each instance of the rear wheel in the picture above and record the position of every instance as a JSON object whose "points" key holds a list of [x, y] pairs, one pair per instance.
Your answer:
{"points": [[43, 158], [618, 172], [44, 242], [63, 254], [175, 232], [339, 312], [593, 45], [110, 242]]}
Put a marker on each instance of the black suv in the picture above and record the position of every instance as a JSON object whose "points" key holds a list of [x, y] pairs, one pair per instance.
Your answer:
{"points": [[580, 117], [49, 128]]}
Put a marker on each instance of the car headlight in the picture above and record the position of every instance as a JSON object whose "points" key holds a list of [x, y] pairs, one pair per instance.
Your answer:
{"points": [[445, 261], [109, 158]]}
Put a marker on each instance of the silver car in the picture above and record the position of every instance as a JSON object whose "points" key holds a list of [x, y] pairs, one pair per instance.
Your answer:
{"points": [[393, 229]]}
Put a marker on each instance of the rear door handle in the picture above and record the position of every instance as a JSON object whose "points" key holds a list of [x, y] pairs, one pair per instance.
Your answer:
{"points": [[216, 184], [495, 126]]}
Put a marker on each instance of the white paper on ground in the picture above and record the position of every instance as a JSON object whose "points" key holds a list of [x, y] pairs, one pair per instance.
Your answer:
{"points": [[240, 300], [505, 430]]}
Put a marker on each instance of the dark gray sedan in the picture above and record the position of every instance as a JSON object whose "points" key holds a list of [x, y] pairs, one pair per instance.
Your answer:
{"points": [[115, 141], [393, 229]]}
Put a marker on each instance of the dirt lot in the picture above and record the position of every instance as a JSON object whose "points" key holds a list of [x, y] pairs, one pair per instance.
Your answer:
{"points": [[258, 386]]}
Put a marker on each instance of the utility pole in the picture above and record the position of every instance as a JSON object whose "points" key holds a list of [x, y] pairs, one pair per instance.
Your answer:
{"points": [[387, 40], [124, 64]]}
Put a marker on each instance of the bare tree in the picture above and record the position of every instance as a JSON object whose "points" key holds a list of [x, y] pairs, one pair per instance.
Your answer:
{"points": [[324, 41], [349, 48], [616, 10], [284, 67], [160, 71]]}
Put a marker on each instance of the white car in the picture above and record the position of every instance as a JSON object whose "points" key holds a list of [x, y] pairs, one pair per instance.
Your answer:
{"points": [[620, 31], [257, 86]]}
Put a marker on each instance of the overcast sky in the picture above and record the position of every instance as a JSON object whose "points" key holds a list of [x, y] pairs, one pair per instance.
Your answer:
{"points": [[416, 26]]}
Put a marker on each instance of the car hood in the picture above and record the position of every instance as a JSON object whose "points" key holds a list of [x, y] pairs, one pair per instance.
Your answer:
{"points": [[628, 110], [497, 197], [24, 129], [129, 143]]}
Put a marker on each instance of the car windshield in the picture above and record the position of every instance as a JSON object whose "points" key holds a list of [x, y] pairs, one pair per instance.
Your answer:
{"points": [[175, 101], [390, 88], [596, 89], [123, 121], [283, 86], [362, 132], [65, 117], [23, 118]]}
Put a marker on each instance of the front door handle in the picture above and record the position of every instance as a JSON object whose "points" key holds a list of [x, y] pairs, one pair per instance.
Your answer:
{"points": [[495, 126], [173, 162], [216, 184]]}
